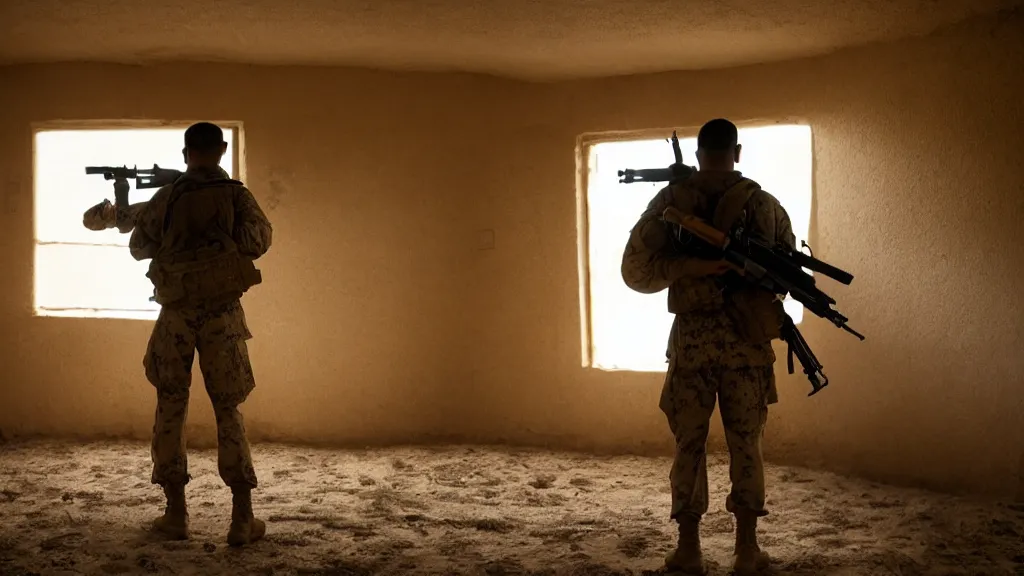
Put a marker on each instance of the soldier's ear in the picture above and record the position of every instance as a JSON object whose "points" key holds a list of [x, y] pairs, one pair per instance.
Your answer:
{"points": [[736, 157]]}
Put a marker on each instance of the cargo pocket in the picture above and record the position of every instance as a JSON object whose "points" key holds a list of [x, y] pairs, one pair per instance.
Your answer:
{"points": [[169, 356], [224, 357]]}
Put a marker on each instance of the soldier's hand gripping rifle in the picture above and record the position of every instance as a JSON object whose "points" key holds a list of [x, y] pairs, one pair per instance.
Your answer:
{"points": [[154, 177], [778, 270], [676, 171]]}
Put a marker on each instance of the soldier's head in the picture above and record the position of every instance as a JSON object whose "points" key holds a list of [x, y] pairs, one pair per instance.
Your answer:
{"points": [[204, 145], [718, 147]]}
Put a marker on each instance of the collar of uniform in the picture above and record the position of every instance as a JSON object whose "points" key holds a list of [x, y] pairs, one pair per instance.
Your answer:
{"points": [[717, 176], [716, 181], [205, 173]]}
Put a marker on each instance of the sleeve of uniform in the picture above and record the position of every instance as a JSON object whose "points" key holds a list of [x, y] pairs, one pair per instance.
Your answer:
{"points": [[148, 231], [103, 215], [770, 222], [96, 218], [647, 266], [252, 232], [132, 212], [784, 228]]}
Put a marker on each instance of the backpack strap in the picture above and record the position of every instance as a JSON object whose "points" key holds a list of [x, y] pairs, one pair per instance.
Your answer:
{"points": [[732, 205]]}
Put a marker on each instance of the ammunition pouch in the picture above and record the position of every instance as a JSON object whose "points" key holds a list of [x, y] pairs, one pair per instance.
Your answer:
{"points": [[202, 277]]}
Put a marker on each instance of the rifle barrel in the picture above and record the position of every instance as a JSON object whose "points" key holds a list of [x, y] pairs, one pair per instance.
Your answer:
{"points": [[852, 331], [812, 263]]}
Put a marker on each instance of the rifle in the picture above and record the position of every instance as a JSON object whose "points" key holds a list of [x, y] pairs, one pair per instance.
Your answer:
{"points": [[675, 172], [776, 269], [154, 177]]}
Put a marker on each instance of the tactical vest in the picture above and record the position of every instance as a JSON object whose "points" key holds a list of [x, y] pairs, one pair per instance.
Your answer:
{"points": [[689, 295], [206, 276], [755, 312]]}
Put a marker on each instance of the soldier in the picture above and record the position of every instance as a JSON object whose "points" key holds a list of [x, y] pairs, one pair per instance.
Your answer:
{"points": [[202, 233], [720, 341]]}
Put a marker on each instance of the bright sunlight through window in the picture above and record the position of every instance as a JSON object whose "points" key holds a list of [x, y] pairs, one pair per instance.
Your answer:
{"points": [[89, 274], [629, 330]]}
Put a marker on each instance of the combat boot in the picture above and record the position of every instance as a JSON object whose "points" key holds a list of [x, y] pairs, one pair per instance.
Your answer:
{"points": [[245, 528], [750, 559], [174, 522], [687, 557]]}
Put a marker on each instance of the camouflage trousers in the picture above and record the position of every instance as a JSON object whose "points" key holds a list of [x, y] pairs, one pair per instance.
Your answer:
{"points": [[220, 335], [688, 400]]}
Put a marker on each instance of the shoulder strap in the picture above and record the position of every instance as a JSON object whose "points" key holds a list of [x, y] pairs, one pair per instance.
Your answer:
{"points": [[732, 204]]}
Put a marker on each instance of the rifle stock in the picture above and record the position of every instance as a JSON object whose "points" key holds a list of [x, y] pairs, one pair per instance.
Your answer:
{"points": [[695, 226]]}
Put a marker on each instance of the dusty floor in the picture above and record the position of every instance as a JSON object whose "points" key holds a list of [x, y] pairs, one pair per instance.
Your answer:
{"points": [[82, 509]]}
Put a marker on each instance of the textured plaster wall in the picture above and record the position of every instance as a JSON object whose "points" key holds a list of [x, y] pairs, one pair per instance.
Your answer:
{"points": [[918, 192], [381, 321], [362, 175]]}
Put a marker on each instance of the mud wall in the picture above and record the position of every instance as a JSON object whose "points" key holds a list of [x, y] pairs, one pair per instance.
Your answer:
{"points": [[363, 288]]}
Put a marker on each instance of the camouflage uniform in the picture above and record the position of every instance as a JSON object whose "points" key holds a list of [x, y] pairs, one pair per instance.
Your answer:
{"points": [[216, 328], [219, 333], [102, 215], [706, 355]]}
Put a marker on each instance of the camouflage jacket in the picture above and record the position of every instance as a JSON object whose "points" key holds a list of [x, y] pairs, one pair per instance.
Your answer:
{"points": [[702, 334], [200, 219]]}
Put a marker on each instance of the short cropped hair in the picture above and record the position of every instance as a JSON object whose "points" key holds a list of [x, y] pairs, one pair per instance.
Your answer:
{"points": [[718, 135], [204, 137]]}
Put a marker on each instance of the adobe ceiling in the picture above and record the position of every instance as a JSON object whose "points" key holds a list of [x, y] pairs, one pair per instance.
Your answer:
{"points": [[529, 39]]}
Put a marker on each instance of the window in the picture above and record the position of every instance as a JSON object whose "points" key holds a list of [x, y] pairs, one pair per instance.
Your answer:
{"points": [[629, 330], [79, 272]]}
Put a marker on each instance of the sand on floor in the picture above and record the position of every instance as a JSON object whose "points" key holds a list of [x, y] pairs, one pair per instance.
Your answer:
{"points": [[84, 508]]}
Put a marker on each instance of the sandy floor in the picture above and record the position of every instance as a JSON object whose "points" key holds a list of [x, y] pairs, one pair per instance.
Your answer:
{"points": [[82, 509]]}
